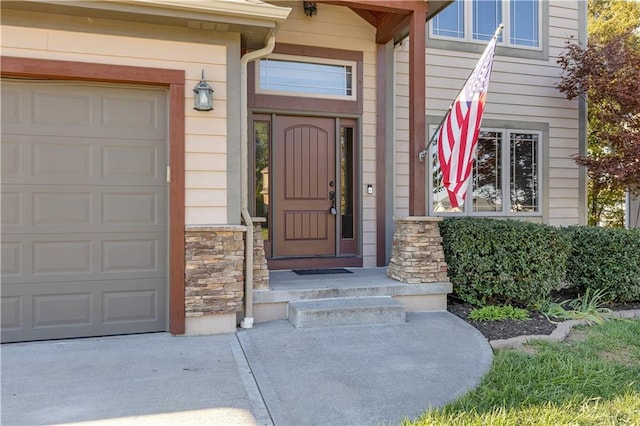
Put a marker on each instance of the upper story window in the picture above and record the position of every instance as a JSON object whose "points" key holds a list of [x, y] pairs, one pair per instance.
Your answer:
{"points": [[477, 20], [308, 77]]}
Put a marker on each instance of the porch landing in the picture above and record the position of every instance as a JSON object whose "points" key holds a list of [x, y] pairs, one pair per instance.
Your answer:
{"points": [[287, 286]]}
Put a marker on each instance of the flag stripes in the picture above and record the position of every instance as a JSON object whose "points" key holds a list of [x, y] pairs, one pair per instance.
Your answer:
{"points": [[458, 135]]}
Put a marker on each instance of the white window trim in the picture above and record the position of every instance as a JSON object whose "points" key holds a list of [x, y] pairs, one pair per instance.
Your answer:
{"points": [[506, 20], [504, 180], [310, 60]]}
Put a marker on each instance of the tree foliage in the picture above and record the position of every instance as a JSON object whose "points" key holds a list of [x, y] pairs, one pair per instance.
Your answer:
{"points": [[607, 73], [612, 18]]}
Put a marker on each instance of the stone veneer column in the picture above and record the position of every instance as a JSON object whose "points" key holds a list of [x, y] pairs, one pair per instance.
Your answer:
{"points": [[417, 255], [260, 269], [214, 270]]}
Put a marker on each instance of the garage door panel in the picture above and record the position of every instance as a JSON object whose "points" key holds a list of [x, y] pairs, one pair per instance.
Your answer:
{"points": [[130, 305], [60, 109], [133, 255], [62, 310], [62, 208], [71, 160], [127, 161], [29, 258], [11, 106], [142, 209], [11, 209], [139, 208], [129, 255], [69, 257], [124, 111], [84, 210], [11, 258], [55, 258], [11, 160], [72, 209], [55, 107], [79, 309], [32, 159], [149, 107], [11, 313], [136, 113]]}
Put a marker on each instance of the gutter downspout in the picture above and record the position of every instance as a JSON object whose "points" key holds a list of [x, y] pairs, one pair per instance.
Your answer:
{"points": [[247, 322]]}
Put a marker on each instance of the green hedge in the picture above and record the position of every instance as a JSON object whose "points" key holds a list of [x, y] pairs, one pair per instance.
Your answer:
{"points": [[503, 261], [605, 258]]}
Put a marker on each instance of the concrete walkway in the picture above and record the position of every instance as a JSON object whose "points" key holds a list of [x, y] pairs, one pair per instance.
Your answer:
{"points": [[271, 374]]}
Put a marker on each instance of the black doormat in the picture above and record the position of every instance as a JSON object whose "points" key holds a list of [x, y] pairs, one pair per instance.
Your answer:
{"points": [[321, 271]]}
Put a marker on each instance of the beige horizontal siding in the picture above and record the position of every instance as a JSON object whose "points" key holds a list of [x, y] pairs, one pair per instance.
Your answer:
{"points": [[520, 90]]}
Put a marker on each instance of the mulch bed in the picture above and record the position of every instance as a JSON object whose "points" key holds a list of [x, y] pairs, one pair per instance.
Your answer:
{"points": [[538, 324]]}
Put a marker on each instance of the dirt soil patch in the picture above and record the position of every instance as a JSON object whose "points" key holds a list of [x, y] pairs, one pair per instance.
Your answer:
{"points": [[537, 325]]}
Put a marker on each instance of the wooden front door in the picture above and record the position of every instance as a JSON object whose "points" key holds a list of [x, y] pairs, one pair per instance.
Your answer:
{"points": [[305, 186]]}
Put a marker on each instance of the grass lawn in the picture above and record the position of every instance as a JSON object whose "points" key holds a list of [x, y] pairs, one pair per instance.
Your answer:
{"points": [[592, 379]]}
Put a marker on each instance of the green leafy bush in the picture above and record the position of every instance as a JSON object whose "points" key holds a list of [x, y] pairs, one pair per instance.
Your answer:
{"points": [[498, 313], [588, 307], [503, 261], [605, 259]]}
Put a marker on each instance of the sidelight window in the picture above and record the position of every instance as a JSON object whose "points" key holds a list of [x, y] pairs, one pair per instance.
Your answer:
{"points": [[262, 135]]}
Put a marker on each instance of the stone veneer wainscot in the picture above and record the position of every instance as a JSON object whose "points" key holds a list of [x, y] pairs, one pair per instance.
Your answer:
{"points": [[260, 268], [214, 273], [214, 277]]}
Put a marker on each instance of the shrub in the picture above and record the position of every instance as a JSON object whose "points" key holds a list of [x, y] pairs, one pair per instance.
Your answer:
{"points": [[498, 313], [503, 261], [588, 307], [605, 259]]}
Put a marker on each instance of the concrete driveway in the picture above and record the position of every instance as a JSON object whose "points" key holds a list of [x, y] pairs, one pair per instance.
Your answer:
{"points": [[271, 374]]}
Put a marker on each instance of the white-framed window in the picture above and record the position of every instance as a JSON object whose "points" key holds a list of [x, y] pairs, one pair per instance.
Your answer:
{"points": [[506, 176], [477, 21], [289, 75]]}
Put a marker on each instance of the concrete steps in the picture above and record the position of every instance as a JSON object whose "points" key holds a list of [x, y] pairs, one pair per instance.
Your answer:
{"points": [[346, 311], [287, 287]]}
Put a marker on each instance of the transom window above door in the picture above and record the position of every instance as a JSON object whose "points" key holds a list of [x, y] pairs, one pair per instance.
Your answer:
{"points": [[307, 77], [477, 20]]}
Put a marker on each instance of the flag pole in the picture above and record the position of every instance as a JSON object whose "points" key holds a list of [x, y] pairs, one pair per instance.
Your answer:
{"points": [[422, 154]]}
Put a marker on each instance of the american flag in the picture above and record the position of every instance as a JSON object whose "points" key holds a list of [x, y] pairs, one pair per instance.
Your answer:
{"points": [[459, 133]]}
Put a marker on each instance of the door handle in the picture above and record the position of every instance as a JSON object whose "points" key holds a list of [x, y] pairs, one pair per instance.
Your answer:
{"points": [[332, 198]]}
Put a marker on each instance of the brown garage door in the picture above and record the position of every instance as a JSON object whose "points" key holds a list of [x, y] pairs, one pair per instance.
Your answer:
{"points": [[84, 210]]}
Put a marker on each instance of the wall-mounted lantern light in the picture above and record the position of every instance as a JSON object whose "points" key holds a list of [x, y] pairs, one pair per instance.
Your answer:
{"points": [[310, 8], [203, 96]]}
